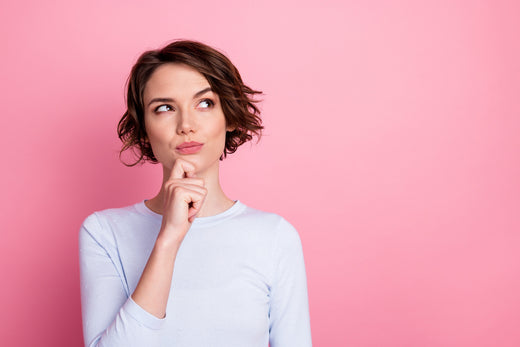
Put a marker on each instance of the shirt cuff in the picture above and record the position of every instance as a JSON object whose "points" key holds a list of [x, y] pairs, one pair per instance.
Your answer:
{"points": [[142, 316]]}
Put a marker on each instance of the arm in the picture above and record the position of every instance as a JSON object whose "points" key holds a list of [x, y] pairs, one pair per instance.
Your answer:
{"points": [[289, 307], [110, 318]]}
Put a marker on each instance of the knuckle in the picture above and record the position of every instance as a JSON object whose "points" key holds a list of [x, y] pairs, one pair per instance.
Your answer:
{"points": [[170, 182], [177, 189]]}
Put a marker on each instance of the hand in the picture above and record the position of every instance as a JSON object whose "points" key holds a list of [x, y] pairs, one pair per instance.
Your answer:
{"points": [[184, 195]]}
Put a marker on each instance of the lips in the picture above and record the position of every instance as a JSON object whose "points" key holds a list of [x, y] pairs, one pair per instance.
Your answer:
{"points": [[189, 147], [189, 144]]}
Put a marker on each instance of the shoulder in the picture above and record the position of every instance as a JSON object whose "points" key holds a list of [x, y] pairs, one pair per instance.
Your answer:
{"points": [[98, 218], [279, 228], [101, 225], [259, 216]]}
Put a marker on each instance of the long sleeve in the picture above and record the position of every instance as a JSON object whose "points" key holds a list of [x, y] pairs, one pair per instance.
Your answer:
{"points": [[239, 280], [110, 316], [289, 308]]}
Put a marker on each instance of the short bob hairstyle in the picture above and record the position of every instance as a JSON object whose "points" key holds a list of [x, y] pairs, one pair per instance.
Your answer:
{"points": [[235, 97]]}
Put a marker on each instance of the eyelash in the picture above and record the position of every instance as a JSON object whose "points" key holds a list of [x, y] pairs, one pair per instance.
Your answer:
{"points": [[210, 102]]}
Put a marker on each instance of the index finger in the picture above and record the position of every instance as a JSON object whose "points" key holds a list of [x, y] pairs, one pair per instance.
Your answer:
{"points": [[181, 167]]}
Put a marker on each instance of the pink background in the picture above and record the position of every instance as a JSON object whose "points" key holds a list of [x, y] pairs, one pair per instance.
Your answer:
{"points": [[392, 144]]}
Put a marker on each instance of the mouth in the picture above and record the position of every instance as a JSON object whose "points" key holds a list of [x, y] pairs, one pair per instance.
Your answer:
{"points": [[189, 144], [189, 147]]}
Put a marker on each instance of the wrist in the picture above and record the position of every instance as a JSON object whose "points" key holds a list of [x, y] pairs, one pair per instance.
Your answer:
{"points": [[168, 240]]}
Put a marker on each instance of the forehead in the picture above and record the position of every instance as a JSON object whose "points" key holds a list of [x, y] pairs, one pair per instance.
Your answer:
{"points": [[174, 80]]}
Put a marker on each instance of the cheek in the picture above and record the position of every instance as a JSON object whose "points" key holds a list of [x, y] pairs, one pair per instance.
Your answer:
{"points": [[157, 137], [155, 131], [220, 131]]}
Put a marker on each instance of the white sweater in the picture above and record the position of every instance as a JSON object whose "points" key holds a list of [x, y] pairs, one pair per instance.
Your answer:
{"points": [[239, 281]]}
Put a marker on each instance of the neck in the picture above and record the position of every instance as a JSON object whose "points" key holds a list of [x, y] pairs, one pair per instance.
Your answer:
{"points": [[215, 202]]}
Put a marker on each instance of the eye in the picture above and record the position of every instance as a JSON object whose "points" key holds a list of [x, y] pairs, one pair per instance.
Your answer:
{"points": [[163, 108], [206, 103]]}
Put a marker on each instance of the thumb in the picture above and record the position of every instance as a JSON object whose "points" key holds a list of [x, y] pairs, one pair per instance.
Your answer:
{"points": [[182, 167]]}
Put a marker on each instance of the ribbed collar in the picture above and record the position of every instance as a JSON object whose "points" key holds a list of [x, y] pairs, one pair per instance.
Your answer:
{"points": [[234, 210]]}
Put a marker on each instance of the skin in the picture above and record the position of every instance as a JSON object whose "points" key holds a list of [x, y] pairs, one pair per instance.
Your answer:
{"points": [[190, 187]]}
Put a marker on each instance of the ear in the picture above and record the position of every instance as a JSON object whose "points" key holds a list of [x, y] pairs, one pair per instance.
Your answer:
{"points": [[230, 128]]}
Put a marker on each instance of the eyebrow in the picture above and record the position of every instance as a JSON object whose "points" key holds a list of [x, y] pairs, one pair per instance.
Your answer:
{"points": [[196, 95]]}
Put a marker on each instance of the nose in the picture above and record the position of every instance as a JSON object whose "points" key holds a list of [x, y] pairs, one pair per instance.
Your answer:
{"points": [[186, 123]]}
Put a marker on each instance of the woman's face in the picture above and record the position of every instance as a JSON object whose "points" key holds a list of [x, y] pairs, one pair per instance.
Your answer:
{"points": [[181, 108]]}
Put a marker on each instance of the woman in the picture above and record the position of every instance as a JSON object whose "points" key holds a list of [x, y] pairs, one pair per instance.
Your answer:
{"points": [[190, 266]]}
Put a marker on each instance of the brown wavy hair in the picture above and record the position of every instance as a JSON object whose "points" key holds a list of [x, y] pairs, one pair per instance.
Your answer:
{"points": [[237, 99]]}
